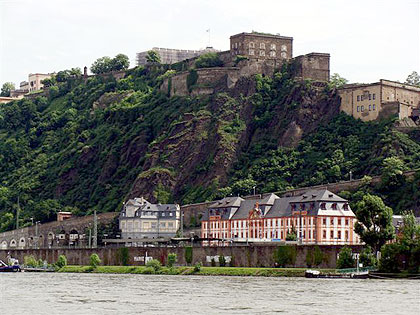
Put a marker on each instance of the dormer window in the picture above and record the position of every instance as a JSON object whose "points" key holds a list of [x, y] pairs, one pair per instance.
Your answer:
{"points": [[312, 206], [293, 207], [334, 206], [302, 206], [346, 207], [323, 206]]}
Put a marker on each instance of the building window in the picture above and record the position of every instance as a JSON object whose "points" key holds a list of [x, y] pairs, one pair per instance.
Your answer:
{"points": [[332, 235], [373, 96], [273, 46], [373, 106], [236, 45], [324, 221], [347, 235], [334, 206], [358, 98], [252, 52], [262, 46], [339, 221], [358, 108], [370, 95], [370, 107], [251, 45], [272, 53], [347, 221], [362, 108], [339, 235], [332, 221], [323, 206], [262, 52], [283, 54], [324, 234], [283, 48]]}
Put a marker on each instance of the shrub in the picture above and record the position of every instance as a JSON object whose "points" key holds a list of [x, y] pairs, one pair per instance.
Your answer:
{"points": [[61, 261], [209, 60], [188, 254], [171, 260], [389, 258], [213, 262], [285, 255], [310, 257], [94, 260], [345, 259], [197, 267], [155, 264], [30, 261], [367, 258], [123, 256], [192, 78], [222, 261], [149, 270]]}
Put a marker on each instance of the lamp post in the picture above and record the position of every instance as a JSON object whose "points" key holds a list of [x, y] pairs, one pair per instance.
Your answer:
{"points": [[254, 189], [36, 234], [351, 175]]}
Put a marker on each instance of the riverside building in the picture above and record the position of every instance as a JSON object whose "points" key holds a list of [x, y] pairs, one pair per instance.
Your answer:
{"points": [[316, 217]]}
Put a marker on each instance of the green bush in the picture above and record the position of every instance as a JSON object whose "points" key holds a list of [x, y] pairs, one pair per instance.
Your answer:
{"points": [[284, 255], [30, 261], [209, 60], [188, 254], [149, 271], [213, 262], [197, 267], [310, 257], [222, 261], [94, 260], [123, 256], [367, 258], [192, 78], [171, 260], [389, 258], [345, 259], [61, 261], [155, 264]]}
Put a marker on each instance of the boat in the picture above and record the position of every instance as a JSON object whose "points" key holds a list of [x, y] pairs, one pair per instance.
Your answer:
{"points": [[12, 267], [353, 275], [378, 275]]}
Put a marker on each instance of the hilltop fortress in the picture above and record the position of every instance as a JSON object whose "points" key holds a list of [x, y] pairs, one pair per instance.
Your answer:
{"points": [[249, 54], [260, 53]]}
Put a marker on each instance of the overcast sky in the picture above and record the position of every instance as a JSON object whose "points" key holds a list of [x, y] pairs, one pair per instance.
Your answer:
{"points": [[368, 40]]}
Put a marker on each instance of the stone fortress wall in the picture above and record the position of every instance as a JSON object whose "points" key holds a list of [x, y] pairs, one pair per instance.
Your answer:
{"points": [[264, 53]]}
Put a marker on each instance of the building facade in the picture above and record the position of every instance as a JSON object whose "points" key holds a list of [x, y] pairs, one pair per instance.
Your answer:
{"points": [[141, 219], [261, 46], [170, 56], [380, 100], [34, 81], [316, 217]]}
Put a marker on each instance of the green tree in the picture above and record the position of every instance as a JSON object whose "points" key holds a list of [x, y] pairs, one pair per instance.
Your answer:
{"points": [[101, 65], [367, 258], [120, 62], [7, 88], [171, 260], [345, 258], [389, 261], [337, 81], [413, 79], [61, 261], [153, 57], [374, 221], [393, 172], [155, 264], [48, 82], [409, 241]]}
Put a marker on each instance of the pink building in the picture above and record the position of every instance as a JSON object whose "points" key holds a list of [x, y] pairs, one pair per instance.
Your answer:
{"points": [[316, 217]]}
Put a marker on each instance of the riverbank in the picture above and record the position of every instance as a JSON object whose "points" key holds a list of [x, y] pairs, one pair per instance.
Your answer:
{"points": [[203, 271]]}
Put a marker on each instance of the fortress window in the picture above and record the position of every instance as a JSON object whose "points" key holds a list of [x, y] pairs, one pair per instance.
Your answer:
{"points": [[362, 108], [358, 108], [370, 107], [283, 48], [251, 52], [373, 107], [262, 46], [283, 55], [272, 53], [358, 98], [370, 95], [273, 47], [373, 96], [251, 45], [262, 52]]}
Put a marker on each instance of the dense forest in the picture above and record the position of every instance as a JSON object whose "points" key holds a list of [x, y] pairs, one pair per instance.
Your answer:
{"points": [[92, 143]]}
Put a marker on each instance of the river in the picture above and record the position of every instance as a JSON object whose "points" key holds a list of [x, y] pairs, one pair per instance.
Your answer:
{"points": [[61, 293]]}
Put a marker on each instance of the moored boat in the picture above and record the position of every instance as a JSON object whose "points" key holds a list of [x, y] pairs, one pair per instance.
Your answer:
{"points": [[13, 267]]}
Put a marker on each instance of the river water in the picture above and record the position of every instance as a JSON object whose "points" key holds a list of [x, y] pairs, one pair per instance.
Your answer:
{"points": [[65, 293]]}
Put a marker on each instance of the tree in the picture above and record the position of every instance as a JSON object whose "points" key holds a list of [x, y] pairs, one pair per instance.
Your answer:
{"points": [[49, 81], [337, 81], [413, 79], [409, 240], [153, 57], [7, 88], [94, 260], [374, 221], [393, 172], [101, 65], [171, 260], [345, 258], [120, 62]]}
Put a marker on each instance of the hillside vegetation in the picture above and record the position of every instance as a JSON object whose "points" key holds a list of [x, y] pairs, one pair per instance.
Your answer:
{"points": [[92, 144]]}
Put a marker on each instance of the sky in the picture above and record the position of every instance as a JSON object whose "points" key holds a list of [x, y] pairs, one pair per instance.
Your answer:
{"points": [[368, 40]]}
